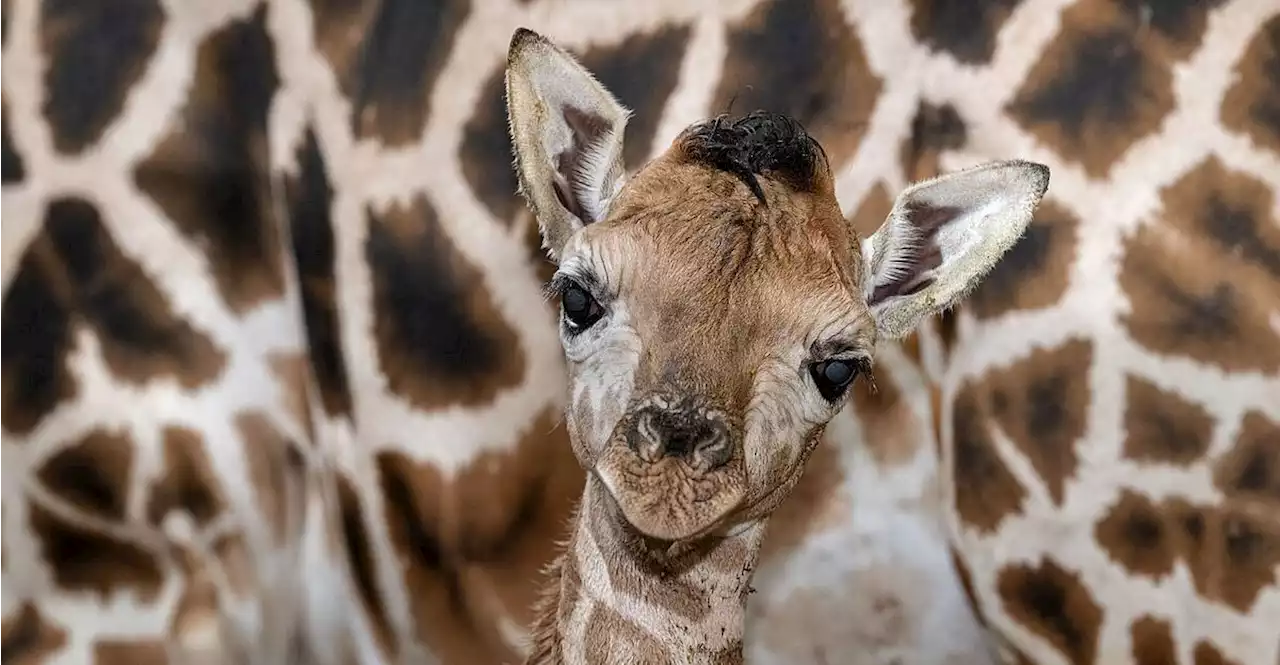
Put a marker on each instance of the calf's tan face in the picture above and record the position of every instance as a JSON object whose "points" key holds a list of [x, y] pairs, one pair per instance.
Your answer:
{"points": [[715, 307]]}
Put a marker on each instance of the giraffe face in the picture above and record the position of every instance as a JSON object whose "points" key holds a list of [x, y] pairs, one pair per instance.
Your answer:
{"points": [[709, 338], [716, 306]]}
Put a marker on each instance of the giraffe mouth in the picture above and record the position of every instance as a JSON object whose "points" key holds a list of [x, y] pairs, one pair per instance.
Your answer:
{"points": [[671, 499]]}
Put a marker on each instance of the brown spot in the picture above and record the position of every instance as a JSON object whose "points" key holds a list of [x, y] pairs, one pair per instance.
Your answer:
{"points": [[73, 276], [1206, 653], [210, 174], [359, 551], [872, 211], [1035, 272], [85, 561], [188, 483], [1178, 26], [1227, 212], [120, 652], [1252, 105], [94, 54], [1231, 552], [4, 22], [236, 563], [386, 55], [29, 638], [1041, 404], [341, 29], [911, 349], [309, 198], [1200, 277], [966, 30], [1161, 426], [802, 58], [422, 519], [966, 585], [93, 473], [516, 508], [1052, 603], [13, 168], [1152, 642], [1135, 534], [290, 372], [815, 505], [1101, 85], [1015, 656], [985, 490], [441, 339], [934, 130], [1251, 470], [947, 325], [543, 266], [935, 417], [277, 471], [606, 629], [891, 431], [485, 152], [642, 72], [1251, 553]]}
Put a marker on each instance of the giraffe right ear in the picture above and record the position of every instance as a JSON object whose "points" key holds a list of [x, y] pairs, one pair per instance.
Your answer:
{"points": [[567, 131]]}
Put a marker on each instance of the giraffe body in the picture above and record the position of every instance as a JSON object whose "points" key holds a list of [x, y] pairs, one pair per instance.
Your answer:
{"points": [[855, 566], [1099, 417]]}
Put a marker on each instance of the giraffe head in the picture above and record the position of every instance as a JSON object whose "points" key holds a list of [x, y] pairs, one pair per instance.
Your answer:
{"points": [[716, 306]]}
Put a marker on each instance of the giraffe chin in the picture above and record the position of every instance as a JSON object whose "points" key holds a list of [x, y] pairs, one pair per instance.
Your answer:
{"points": [[670, 499]]}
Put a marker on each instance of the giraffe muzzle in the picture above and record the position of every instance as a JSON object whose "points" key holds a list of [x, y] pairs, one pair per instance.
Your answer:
{"points": [[700, 437]]}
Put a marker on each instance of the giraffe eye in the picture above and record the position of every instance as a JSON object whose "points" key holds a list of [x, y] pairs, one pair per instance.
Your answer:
{"points": [[834, 376], [581, 310]]}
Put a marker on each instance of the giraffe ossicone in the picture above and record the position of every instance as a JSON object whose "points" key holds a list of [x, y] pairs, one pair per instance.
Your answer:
{"points": [[715, 308]]}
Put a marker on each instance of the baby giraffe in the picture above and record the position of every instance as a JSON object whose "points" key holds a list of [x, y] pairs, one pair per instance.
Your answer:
{"points": [[715, 308]]}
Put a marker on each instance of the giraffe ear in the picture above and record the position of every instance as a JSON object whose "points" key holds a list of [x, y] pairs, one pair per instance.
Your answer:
{"points": [[942, 236], [567, 131]]}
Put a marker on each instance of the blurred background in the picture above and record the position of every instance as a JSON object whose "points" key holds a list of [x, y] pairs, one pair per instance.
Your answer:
{"points": [[279, 380]]}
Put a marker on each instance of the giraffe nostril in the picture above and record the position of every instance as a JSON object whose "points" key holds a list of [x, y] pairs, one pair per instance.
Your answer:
{"points": [[681, 433], [680, 442], [645, 438], [715, 450]]}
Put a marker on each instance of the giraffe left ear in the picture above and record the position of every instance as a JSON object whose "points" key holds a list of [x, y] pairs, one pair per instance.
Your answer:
{"points": [[567, 131], [942, 236]]}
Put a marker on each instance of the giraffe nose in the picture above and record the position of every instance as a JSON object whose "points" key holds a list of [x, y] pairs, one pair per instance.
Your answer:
{"points": [[688, 433]]}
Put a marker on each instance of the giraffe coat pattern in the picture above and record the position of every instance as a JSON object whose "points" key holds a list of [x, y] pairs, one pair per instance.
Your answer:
{"points": [[215, 372]]}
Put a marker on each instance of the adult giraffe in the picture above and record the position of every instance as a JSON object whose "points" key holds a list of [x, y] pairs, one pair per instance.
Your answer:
{"points": [[911, 80], [1111, 403], [158, 412]]}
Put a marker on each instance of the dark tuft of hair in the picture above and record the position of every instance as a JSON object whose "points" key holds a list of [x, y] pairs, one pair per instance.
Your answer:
{"points": [[759, 143]]}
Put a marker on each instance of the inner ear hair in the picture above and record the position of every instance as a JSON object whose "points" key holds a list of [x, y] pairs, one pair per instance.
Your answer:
{"points": [[566, 129], [909, 269], [582, 167]]}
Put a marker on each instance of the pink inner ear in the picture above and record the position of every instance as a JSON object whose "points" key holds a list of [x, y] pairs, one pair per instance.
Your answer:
{"points": [[916, 260]]}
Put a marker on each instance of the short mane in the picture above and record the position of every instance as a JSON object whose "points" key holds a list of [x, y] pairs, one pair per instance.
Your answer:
{"points": [[761, 142]]}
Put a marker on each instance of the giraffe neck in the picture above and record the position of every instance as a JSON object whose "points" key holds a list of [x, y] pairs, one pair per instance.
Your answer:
{"points": [[615, 592]]}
